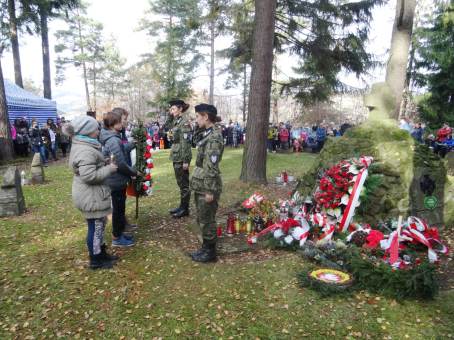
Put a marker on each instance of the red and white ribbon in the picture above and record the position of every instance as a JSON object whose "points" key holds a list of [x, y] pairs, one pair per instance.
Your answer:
{"points": [[301, 233], [328, 232], [353, 200], [252, 201], [319, 219], [419, 237], [391, 246], [253, 238]]}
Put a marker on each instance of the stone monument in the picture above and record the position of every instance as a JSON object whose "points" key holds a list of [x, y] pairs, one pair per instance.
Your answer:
{"points": [[12, 201], [37, 170], [409, 178]]}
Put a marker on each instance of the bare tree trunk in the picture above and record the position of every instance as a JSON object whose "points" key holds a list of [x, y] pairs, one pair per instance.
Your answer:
{"points": [[212, 37], [169, 65], [275, 110], [254, 156], [94, 86], [6, 145], [274, 94], [15, 42], [84, 66], [396, 71], [45, 52], [244, 92]]}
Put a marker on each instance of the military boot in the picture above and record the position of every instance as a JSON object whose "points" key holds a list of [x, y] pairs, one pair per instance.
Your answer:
{"points": [[205, 255], [201, 250], [184, 211]]}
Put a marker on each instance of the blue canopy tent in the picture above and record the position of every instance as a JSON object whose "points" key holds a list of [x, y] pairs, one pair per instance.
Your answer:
{"points": [[22, 103]]}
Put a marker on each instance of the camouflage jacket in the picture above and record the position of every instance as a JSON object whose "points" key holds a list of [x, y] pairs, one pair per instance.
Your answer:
{"points": [[181, 137], [206, 177]]}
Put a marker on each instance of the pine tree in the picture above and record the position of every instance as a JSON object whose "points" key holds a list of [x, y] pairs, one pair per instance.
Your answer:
{"points": [[176, 55], [13, 32], [254, 156], [435, 65], [328, 37], [239, 54], [41, 11], [6, 145], [80, 45], [16, 20], [214, 24]]}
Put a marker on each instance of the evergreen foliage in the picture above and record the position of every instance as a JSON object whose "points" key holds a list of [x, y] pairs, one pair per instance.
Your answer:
{"points": [[176, 55], [328, 37], [79, 44], [140, 136], [239, 54], [373, 275], [324, 289], [434, 65]]}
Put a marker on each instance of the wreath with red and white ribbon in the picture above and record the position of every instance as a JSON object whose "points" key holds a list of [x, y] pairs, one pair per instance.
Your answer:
{"points": [[147, 185]]}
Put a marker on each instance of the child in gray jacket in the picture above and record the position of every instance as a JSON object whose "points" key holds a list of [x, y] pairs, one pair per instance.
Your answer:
{"points": [[90, 193]]}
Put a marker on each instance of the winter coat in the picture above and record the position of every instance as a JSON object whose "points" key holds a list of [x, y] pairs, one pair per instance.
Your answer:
{"points": [[283, 135], [35, 136], [113, 145], [90, 193]]}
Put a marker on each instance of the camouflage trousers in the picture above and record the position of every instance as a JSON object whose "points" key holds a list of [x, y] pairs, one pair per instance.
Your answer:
{"points": [[206, 217], [182, 177]]}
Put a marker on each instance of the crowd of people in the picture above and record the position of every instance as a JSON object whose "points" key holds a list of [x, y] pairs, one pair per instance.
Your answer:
{"points": [[441, 142], [46, 139], [284, 136]]}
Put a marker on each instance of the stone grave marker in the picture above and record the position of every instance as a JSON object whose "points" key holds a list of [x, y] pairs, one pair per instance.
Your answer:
{"points": [[37, 170], [12, 202]]}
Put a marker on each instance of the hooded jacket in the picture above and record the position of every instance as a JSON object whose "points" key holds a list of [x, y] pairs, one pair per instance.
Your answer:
{"points": [[90, 193], [112, 145]]}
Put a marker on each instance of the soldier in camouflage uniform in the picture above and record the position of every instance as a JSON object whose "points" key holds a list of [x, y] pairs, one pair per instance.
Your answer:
{"points": [[206, 180], [181, 153]]}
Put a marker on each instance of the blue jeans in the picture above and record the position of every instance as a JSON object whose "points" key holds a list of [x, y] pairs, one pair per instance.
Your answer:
{"points": [[42, 152], [95, 235], [53, 150]]}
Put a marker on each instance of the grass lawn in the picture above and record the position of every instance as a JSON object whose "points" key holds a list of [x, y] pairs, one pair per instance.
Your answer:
{"points": [[156, 291]]}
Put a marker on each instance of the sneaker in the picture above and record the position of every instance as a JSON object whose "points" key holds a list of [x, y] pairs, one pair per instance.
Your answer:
{"points": [[122, 242], [128, 237]]}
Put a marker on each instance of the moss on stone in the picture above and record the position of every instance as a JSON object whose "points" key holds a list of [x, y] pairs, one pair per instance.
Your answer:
{"points": [[396, 157]]}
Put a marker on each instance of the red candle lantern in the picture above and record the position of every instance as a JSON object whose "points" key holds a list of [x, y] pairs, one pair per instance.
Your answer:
{"points": [[219, 230], [230, 225], [284, 176]]}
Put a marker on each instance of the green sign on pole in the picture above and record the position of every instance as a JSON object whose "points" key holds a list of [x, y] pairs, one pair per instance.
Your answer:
{"points": [[430, 202]]}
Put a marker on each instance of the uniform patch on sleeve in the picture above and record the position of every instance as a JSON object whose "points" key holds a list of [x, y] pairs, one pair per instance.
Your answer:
{"points": [[214, 158]]}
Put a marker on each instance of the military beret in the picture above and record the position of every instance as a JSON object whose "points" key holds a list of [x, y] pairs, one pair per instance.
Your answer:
{"points": [[206, 108], [180, 103], [177, 102]]}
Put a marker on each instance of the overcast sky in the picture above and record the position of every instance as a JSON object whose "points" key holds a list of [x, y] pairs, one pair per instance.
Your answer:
{"points": [[121, 22]]}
